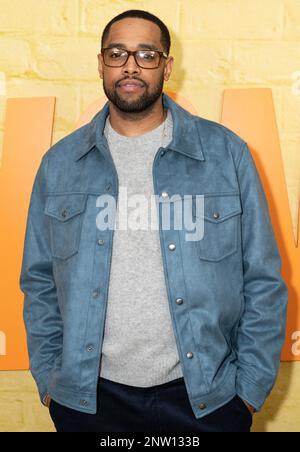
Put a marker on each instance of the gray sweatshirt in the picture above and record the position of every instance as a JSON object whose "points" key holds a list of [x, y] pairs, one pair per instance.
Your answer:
{"points": [[139, 347]]}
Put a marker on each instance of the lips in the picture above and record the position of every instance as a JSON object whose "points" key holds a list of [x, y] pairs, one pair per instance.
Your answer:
{"points": [[130, 86], [133, 83]]}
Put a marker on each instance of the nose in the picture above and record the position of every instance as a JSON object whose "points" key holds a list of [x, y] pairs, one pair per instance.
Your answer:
{"points": [[131, 66]]}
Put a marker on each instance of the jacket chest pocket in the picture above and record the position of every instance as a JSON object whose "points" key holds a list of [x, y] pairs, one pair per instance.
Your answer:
{"points": [[221, 221], [66, 216]]}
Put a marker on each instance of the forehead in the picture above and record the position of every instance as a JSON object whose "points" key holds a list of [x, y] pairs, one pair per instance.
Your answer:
{"points": [[134, 31]]}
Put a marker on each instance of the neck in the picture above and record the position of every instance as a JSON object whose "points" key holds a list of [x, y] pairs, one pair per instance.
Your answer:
{"points": [[134, 124]]}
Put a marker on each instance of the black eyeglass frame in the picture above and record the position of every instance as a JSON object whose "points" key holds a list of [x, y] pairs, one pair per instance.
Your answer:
{"points": [[134, 52]]}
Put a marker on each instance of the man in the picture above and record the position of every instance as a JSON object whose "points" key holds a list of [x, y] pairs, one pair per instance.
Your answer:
{"points": [[144, 328]]}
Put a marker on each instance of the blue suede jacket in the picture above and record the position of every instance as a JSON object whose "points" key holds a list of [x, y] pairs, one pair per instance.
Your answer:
{"points": [[229, 325]]}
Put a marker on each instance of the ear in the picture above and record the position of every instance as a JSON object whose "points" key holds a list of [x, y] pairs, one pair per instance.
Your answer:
{"points": [[100, 65], [168, 68]]}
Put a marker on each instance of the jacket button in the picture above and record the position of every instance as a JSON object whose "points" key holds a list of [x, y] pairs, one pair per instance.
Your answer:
{"points": [[172, 247], [162, 153], [108, 187], [202, 406], [83, 403], [100, 242], [189, 355], [64, 213], [216, 215], [164, 194], [179, 300], [90, 348]]}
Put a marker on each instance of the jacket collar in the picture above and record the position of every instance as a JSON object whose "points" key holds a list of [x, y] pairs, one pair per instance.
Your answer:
{"points": [[186, 138]]}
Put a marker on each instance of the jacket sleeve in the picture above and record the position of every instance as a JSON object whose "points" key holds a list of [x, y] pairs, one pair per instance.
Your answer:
{"points": [[41, 313], [261, 331]]}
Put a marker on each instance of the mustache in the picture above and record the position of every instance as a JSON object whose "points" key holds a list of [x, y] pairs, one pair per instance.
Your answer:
{"points": [[131, 78]]}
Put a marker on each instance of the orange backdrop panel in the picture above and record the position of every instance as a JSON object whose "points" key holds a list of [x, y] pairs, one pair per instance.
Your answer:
{"points": [[27, 136], [250, 113]]}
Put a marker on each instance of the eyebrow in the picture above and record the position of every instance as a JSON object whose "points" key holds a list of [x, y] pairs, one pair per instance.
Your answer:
{"points": [[139, 46]]}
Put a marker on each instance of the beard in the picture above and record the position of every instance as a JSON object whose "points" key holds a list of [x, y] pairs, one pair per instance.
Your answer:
{"points": [[142, 103]]}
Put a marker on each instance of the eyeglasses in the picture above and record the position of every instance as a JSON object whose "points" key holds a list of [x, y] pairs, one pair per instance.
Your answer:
{"points": [[146, 59]]}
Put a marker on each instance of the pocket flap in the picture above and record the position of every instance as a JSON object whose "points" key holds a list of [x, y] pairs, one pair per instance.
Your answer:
{"points": [[63, 207], [220, 207]]}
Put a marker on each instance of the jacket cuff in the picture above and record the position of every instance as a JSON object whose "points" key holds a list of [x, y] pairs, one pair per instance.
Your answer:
{"points": [[250, 392]]}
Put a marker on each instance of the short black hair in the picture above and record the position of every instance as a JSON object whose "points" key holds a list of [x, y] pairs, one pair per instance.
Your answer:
{"points": [[165, 35]]}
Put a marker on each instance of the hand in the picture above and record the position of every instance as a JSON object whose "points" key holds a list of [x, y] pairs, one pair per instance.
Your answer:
{"points": [[250, 407], [47, 400]]}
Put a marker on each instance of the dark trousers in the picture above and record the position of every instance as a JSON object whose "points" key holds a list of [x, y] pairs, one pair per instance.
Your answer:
{"points": [[161, 408]]}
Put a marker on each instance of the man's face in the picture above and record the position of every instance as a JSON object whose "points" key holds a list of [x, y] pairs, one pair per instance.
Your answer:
{"points": [[132, 32]]}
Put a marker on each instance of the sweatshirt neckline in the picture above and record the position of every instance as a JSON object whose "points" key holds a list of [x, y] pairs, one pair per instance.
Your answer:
{"points": [[113, 133]]}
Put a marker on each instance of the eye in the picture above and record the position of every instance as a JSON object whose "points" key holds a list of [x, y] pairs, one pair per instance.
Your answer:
{"points": [[116, 53], [147, 55]]}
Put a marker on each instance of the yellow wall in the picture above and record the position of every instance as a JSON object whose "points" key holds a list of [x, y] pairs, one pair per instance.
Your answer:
{"points": [[48, 47]]}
